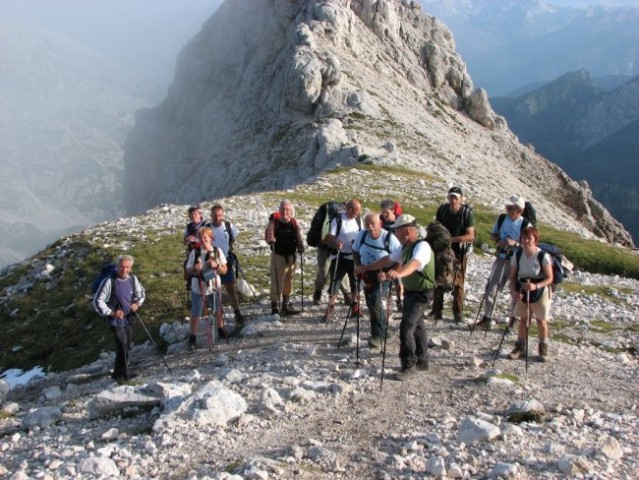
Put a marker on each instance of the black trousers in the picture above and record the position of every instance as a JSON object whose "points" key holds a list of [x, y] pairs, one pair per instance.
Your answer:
{"points": [[413, 341], [123, 340]]}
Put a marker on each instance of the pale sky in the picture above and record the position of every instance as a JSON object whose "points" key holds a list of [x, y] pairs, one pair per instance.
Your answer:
{"points": [[143, 36]]}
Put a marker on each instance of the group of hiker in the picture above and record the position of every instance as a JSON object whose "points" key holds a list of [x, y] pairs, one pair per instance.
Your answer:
{"points": [[373, 256]]}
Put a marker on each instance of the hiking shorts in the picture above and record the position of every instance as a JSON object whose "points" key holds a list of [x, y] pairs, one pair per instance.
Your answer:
{"points": [[540, 309], [197, 304]]}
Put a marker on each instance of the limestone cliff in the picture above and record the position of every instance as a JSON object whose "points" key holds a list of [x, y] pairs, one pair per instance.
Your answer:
{"points": [[271, 92]]}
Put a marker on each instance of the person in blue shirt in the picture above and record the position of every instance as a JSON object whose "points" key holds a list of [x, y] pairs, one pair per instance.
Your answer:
{"points": [[370, 245], [506, 234]]}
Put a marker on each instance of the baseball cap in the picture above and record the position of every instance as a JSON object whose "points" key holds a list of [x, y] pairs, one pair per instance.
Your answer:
{"points": [[455, 191], [516, 201], [404, 220]]}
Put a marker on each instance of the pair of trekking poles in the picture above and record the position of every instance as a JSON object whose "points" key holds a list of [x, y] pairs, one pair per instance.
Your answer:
{"points": [[355, 307], [511, 318]]}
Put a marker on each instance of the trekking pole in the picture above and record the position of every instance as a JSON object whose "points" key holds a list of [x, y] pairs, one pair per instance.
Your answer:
{"points": [[511, 322], [527, 324], [357, 290], [220, 317], [205, 314], [348, 315], [483, 298], [386, 321], [137, 317], [330, 289], [302, 267], [277, 284]]}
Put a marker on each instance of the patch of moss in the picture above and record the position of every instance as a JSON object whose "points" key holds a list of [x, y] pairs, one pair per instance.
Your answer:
{"points": [[528, 417]]}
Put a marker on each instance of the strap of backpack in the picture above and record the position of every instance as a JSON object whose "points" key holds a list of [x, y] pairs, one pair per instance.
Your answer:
{"points": [[500, 221], [440, 212], [229, 231]]}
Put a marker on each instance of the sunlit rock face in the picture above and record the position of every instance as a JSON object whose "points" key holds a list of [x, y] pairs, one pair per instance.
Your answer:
{"points": [[270, 93]]}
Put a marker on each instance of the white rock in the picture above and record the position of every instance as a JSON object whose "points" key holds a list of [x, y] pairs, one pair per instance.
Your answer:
{"points": [[473, 430], [98, 466]]}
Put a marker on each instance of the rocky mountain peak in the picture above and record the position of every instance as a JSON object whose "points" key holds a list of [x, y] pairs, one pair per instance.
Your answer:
{"points": [[269, 94]]}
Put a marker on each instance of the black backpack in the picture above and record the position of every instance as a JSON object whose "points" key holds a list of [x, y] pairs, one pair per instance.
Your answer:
{"points": [[322, 218], [107, 270]]}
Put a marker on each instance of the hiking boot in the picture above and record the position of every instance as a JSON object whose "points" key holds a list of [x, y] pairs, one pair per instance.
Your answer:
{"points": [[422, 365], [375, 342], [192, 339], [222, 333], [274, 309], [348, 298], [433, 315], [239, 319], [355, 311], [486, 323], [458, 318], [287, 309], [317, 297], [543, 352], [406, 373], [519, 350]]}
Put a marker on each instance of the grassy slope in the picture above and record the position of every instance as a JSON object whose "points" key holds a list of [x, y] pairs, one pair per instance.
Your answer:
{"points": [[53, 324]]}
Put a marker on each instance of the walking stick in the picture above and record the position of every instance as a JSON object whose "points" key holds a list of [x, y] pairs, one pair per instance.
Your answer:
{"points": [[348, 315], [137, 317], [527, 324], [356, 301], [205, 314], [511, 322], [386, 321], [330, 290], [302, 267], [277, 283], [483, 298]]}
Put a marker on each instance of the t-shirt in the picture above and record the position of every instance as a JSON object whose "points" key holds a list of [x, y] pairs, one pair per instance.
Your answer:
{"points": [[456, 223], [529, 266], [370, 249], [211, 285], [422, 253], [509, 229], [347, 234], [221, 237]]}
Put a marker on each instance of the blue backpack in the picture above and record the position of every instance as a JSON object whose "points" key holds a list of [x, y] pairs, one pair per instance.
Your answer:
{"points": [[108, 270]]}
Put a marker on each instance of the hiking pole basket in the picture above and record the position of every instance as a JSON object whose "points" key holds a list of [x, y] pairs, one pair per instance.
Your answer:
{"points": [[137, 317]]}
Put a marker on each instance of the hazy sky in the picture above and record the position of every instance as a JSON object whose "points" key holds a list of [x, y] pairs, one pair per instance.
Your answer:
{"points": [[144, 36]]}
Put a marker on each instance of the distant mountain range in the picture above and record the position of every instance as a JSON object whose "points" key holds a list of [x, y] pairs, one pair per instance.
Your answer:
{"points": [[591, 133], [65, 112], [511, 43]]}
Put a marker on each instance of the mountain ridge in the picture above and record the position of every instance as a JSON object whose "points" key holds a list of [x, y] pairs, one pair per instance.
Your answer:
{"points": [[312, 85]]}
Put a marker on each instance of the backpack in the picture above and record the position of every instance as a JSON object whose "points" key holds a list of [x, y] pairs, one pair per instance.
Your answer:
{"points": [[321, 222], [386, 246], [529, 214], [446, 264], [561, 266], [397, 209], [462, 221], [285, 235], [107, 270]]}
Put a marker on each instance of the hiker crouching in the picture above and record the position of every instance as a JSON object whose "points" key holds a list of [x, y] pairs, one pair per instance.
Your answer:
{"points": [[460, 222], [205, 265], [285, 239], [371, 244], [531, 278], [505, 234], [117, 299], [414, 263]]}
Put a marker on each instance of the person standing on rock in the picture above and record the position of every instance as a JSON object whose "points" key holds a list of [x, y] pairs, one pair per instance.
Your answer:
{"points": [[505, 234], [414, 263], [460, 222], [283, 234], [531, 278], [371, 244], [340, 237], [225, 234], [206, 265], [118, 297]]}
